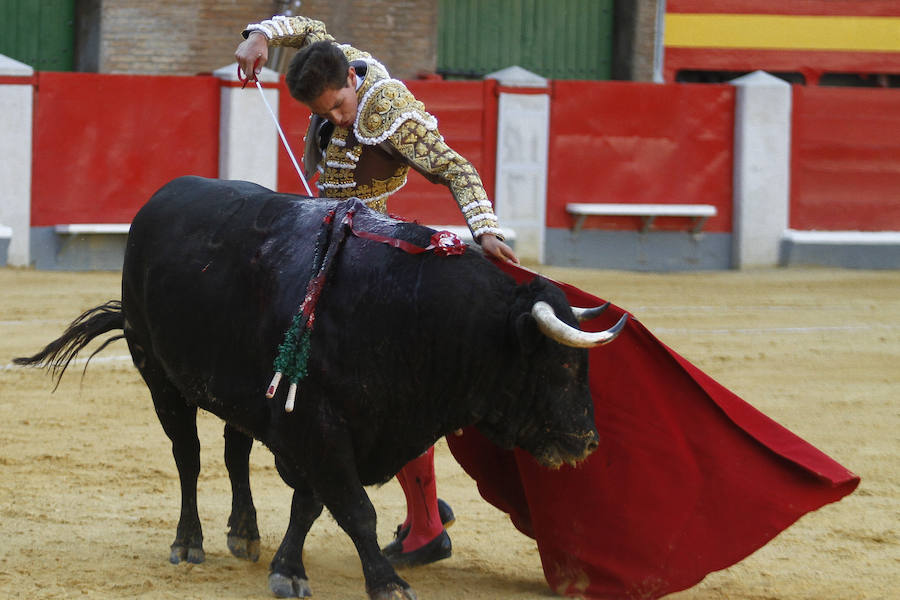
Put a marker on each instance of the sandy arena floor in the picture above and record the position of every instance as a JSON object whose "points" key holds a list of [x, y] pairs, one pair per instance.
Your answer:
{"points": [[89, 492]]}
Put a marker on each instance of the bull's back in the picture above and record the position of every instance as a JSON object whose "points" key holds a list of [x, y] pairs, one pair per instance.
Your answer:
{"points": [[206, 267], [204, 233], [197, 214]]}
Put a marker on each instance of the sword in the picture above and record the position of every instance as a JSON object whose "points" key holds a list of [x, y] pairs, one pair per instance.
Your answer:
{"points": [[275, 120]]}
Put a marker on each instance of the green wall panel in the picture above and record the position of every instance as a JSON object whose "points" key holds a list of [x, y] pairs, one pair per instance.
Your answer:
{"points": [[39, 33], [557, 39]]}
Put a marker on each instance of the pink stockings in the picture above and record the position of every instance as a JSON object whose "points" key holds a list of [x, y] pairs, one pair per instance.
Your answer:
{"points": [[417, 481]]}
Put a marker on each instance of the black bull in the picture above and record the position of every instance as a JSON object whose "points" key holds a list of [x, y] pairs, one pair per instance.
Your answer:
{"points": [[405, 349]]}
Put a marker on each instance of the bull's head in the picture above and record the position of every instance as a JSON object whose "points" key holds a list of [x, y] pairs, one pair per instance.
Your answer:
{"points": [[553, 415]]}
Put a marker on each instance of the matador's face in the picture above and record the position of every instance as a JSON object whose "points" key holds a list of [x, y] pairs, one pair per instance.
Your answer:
{"points": [[338, 105]]}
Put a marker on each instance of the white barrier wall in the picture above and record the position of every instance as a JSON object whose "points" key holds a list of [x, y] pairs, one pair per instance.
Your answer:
{"points": [[248, 139], [762, 163], [16, 102], [523, 137]]}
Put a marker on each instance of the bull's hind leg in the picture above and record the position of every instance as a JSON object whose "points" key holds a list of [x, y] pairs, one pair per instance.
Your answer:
{"points": [[243, 533], [287, 575], [179, 421]]}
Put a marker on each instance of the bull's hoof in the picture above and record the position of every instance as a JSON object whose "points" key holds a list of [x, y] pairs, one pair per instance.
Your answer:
{"points": [[181, 553], [289, 587], [243, 534], [244, 548], [394, 593]]}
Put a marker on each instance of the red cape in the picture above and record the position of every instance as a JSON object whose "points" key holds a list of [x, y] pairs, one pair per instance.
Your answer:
{"points": [[688, 479]]}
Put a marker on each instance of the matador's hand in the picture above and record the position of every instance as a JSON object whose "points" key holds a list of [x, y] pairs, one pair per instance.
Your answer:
{"points": [[254, 51], [494, 247]]}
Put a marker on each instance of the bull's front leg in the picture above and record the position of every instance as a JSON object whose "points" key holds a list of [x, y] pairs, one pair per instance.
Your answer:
{"points": [[357, 519], [346, 499], [243, 533]]}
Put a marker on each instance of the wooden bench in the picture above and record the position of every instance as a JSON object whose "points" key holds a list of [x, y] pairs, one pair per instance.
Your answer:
{"points": [[843, 238], [698, 213], [92, 228], [5, 239]]}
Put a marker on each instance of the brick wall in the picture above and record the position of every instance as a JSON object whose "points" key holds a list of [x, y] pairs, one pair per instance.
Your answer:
{"points": [[402, 34], [174, 37]]}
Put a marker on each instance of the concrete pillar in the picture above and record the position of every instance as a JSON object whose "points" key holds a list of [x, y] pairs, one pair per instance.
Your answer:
{"points": [[638, 40], [16, 102], [762, 162], [523, 137], [248, 139]]}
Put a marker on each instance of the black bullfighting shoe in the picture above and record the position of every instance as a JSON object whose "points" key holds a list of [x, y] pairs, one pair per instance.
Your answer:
{"points": [[431, 552], [437, 549], [445, 513]]}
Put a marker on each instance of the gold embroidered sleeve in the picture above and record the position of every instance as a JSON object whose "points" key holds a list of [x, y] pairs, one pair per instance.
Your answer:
{"points": [[295, 32], [425, 151]]}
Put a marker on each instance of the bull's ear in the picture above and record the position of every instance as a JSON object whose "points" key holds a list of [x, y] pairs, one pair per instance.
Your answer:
{"points": [[527, 333]]}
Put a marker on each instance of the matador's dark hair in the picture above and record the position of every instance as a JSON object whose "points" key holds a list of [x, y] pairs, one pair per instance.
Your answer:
{"points": [[318, 67]]}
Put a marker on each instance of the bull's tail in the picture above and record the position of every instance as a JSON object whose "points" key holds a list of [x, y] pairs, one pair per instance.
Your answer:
{"points": [[92, 323]]}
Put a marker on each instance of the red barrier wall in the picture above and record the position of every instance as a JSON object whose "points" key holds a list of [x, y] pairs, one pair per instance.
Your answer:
{"points": [[624, 142], [104, 143], [467, 118], [845, 159], [294, 119]]}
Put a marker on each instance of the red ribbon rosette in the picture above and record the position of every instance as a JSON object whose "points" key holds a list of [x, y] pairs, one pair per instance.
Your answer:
{"points": [[446, 243]]}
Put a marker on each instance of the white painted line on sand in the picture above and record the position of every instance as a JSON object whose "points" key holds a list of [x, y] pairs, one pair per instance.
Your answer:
{"points": [[769, 330], [9, 323], [78, 361]]}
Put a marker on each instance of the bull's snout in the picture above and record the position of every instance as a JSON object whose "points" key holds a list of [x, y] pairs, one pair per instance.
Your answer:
{"points": [[570, 450], [591, 443]]}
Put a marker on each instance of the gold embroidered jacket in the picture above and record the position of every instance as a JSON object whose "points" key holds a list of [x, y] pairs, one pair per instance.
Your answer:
{"points": [[392, 133]]}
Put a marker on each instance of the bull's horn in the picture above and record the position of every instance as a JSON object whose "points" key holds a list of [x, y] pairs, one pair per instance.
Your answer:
{"points": [[586, 314], [554, 328]]}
